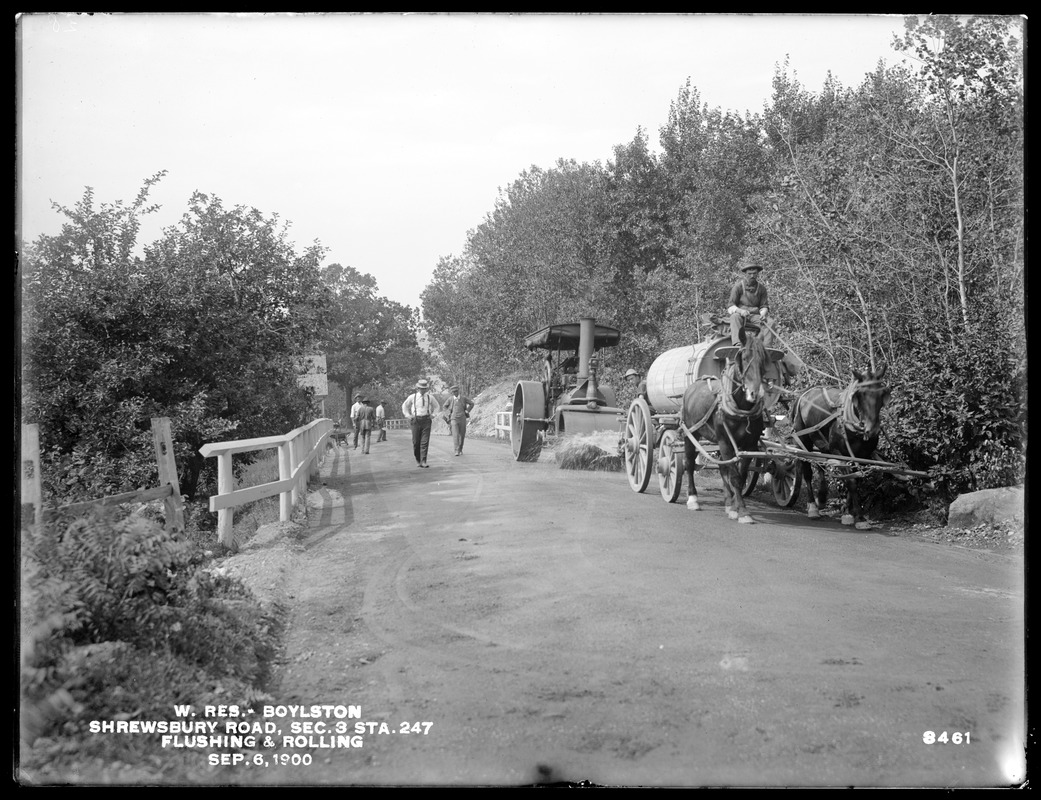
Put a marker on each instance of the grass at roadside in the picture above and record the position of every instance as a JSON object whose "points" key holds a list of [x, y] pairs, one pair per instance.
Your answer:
{"points": [[123, 621]]}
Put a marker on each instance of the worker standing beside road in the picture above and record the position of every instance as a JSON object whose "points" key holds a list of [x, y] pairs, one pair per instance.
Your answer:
{"points": [[419, 409], [635, 379], [354, 418], [457, 412], [366, 420], [381, 422]]}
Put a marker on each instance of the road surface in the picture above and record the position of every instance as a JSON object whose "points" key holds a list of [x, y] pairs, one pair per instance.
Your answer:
{"points": [[491, 622]]}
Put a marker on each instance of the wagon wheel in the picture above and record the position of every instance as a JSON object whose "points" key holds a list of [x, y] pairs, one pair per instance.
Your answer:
{"points": [[670, 466], [755, 466], [787, 480], [638, 445], [528, 400]]}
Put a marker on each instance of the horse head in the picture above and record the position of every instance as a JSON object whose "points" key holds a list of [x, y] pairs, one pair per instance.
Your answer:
{"points": [[750, 364], [869, 396]]}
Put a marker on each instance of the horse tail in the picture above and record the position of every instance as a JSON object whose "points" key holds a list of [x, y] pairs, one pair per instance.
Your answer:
{"points": [[795, 412]]}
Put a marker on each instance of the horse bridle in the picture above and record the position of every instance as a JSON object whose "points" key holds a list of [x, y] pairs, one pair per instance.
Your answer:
{"points": [[730, 384], [850, 421]]}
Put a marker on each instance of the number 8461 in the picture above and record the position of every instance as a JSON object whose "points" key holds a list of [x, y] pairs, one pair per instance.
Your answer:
{"points": [[957, 737]]}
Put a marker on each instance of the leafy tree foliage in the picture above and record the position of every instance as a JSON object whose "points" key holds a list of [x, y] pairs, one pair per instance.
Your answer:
{"points": [[369, 341], [204, 329], [890, 216], [538, 258]]}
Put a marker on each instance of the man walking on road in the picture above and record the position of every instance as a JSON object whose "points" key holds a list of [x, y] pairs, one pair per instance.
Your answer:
{"points": [[419, 409], [457, 412], [381, 420], [354, 417], [366, 420]]}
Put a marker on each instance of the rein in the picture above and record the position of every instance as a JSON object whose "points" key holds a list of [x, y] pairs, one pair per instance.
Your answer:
{"points": [[725, 401], [850, 420], [730, 388], [851, 423]]}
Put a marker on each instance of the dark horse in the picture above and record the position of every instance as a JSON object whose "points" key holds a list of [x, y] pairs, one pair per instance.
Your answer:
{"points": [[729, 412], [843, 423]]}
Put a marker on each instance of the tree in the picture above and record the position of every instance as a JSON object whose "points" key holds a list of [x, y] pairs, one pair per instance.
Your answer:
{"points": [[539, 258], [205, 329], [971, 138], [369, 340], [895, 209]]}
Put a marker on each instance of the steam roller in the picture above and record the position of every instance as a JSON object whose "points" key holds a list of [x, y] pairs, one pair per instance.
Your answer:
{"points": [[568, 400]]}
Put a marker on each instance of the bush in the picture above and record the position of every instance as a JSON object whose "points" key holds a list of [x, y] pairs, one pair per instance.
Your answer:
{"points": [[958, 409], [131, 582]]}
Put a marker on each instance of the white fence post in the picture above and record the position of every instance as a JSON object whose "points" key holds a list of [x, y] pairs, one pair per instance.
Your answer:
{"points": [[173, 506], [285, 470], [32, 493], [225, 484], [294, 449]]}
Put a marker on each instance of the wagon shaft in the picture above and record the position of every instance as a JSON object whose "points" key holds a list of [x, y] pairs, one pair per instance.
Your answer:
{"points": [[780, 450]]}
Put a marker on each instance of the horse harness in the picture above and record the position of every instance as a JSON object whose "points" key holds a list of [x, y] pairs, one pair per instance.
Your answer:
{"points": [[723, 392], [844, 407]]}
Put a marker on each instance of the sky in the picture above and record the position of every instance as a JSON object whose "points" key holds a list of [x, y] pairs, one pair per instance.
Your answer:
{"points": [[385, 137]]}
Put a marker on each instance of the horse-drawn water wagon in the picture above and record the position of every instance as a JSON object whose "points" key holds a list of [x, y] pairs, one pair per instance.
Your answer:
{"points": [[710, 405]]}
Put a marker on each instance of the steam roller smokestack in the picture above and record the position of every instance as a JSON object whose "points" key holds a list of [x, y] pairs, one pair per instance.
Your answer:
{"points": [[586, 338], [586, 345]]}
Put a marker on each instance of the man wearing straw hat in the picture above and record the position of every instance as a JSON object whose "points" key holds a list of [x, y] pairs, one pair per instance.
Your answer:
{"points": [[419, 409]]}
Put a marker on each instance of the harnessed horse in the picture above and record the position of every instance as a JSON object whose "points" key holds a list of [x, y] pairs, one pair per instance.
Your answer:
{"points": [[843, 423], [729, 412]]}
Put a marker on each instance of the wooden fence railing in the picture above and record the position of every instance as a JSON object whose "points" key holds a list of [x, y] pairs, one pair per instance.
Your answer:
{"points": [[168, 490], [502, 424], [299, 454]]}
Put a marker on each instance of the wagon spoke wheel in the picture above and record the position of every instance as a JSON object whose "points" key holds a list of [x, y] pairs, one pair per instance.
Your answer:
{"points": [[786, 481], [755, 466], [670, 466], [528, 401], [638, 444]]}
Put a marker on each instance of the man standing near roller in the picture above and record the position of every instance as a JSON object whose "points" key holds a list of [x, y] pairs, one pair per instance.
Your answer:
{"points": [[457, 412]]}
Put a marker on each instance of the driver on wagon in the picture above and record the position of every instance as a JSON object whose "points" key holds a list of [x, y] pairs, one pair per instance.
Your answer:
{"points": [[749, 303]]}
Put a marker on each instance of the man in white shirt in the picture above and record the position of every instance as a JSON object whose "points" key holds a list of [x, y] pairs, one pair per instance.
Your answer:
{"points": [[419, 409], [381, 418], [354, 417]]}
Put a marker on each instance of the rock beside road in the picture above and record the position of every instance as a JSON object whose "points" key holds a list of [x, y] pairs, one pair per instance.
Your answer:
{"points": [[989, 506]]}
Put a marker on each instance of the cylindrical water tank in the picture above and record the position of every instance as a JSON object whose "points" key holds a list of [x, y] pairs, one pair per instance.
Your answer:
{"points": [[674, 370]]}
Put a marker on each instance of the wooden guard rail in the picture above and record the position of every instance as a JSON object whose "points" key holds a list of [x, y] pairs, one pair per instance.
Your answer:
{"points": [[503, 424], [168, 490], [299, 453]]}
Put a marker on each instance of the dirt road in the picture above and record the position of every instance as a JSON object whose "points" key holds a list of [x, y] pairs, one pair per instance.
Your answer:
{"points": [[511, 624]]}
